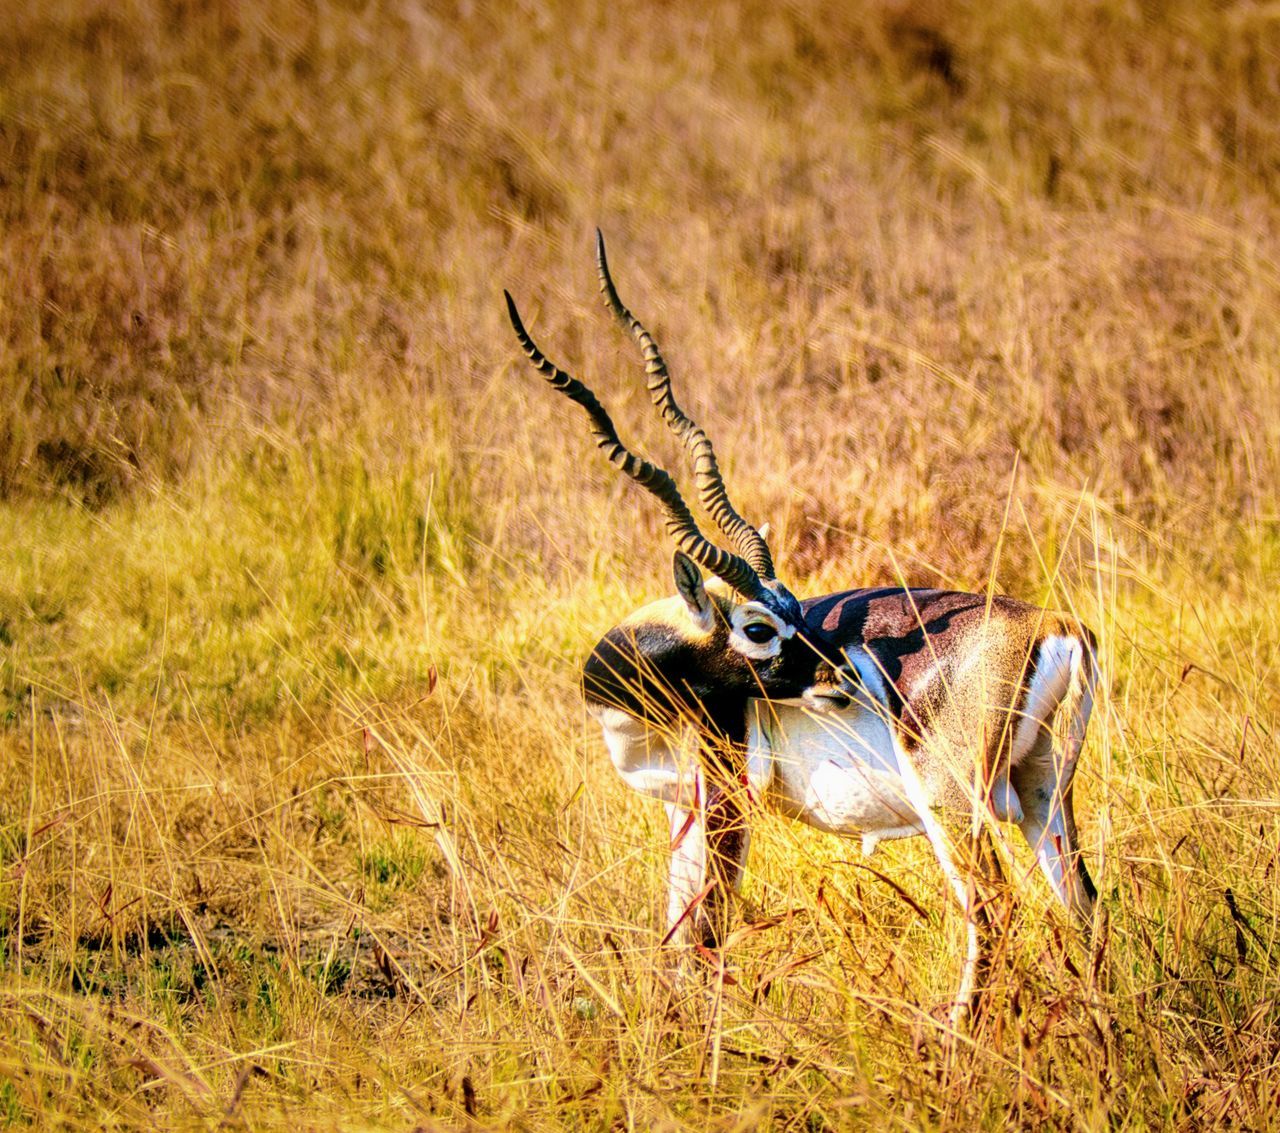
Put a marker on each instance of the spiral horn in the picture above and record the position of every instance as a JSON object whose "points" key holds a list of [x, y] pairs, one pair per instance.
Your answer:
{"points": [[712, 493], [735, 570]]}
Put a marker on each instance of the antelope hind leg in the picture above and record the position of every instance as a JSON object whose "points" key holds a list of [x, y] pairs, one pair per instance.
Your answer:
{"points": [[1044, 782]]}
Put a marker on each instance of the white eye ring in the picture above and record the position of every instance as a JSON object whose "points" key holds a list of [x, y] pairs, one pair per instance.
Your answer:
{"points": [[752, 619]]}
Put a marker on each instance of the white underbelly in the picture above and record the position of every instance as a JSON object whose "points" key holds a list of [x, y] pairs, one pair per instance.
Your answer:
{"points": [[837, 771]]}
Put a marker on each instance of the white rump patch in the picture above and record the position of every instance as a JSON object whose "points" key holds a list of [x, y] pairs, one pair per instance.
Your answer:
{"points": [[1057, 660]]}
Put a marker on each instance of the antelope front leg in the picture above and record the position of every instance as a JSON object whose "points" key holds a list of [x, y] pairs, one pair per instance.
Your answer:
{"points": [[687, 871], [708, 854]]}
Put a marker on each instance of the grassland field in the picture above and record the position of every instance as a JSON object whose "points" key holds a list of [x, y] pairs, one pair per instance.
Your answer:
{"points": [[302, 823]]}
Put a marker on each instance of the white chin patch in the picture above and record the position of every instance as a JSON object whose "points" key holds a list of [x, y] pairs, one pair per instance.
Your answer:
{"points": [[750, 614]]}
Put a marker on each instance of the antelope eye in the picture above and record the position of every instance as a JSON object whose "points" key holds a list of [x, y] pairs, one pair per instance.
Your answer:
{"points": [[759, 632]]}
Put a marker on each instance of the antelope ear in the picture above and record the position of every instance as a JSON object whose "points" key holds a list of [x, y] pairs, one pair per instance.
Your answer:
{"points": [[689, 586], [764, 531]]}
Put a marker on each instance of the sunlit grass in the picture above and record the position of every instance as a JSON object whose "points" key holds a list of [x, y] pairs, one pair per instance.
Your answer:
{"points": [[301, 821]]}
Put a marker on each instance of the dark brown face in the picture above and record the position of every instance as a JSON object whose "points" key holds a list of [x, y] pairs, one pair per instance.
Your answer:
{"points": [[700, 663]]}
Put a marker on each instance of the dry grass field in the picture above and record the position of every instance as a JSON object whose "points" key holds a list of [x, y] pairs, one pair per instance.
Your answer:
{"points": [[302, 823]]}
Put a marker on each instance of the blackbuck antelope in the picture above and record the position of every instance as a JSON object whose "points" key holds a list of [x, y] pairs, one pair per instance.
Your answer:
{"points": [[861, 713]]}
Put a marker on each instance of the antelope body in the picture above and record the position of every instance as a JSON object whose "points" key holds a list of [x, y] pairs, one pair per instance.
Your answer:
{"points": [[860, 713]]}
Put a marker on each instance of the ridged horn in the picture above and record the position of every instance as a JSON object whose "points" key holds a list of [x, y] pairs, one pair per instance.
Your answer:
{"points": [[736, 571], [712, 493]]}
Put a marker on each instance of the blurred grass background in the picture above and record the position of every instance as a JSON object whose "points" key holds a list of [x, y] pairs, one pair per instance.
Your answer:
{"points": [[300, 819]]}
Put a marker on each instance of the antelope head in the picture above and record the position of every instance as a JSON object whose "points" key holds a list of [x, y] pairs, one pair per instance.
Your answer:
{"points": [[697, 658]]}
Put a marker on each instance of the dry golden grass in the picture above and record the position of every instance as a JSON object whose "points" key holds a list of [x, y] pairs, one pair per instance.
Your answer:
{"points": [[301, 822]]}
